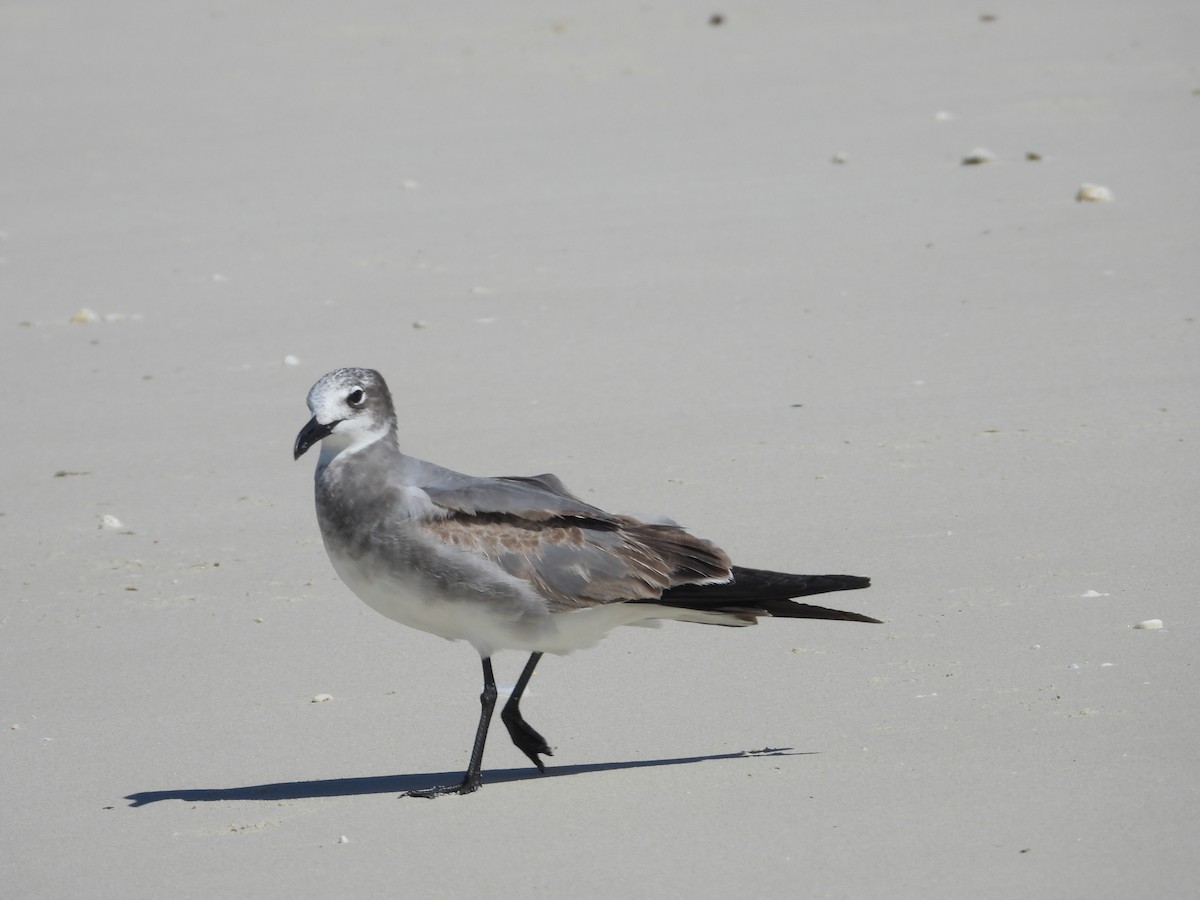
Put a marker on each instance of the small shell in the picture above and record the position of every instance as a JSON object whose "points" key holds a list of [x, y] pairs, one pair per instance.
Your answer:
{"points": [[978, 157], [1094, 193], [1150, 624], [321, 698], [110, 522]]}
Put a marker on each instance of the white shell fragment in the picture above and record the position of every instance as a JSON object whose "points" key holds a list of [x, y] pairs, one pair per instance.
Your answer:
{"points": [[978, 157], [321, 698], [1090, 594], [291, 360], [85, 316], [110, 522], [1150, 625], [1093, 193]]}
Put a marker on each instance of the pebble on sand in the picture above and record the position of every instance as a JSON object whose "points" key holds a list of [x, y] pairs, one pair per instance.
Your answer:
{"points": [[1150, 625]]}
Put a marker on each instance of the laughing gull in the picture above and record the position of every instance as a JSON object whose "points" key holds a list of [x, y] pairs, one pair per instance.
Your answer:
{"points": [[512, 563]]}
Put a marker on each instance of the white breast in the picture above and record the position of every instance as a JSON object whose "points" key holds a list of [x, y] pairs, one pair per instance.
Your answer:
{"points": [[489, 618]]}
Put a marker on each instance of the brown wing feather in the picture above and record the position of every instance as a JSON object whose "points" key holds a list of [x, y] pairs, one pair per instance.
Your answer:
{"points": [[575, 563]]}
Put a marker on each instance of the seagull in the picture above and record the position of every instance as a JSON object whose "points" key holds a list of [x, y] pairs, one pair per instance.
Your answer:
{"points": [[513, 562]]}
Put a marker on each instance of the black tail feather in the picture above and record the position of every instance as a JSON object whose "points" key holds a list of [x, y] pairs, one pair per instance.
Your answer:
{"points": [[770, 592]]}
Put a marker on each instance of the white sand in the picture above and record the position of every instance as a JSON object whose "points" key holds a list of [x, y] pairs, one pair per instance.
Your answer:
{"points": [[638, 266]]}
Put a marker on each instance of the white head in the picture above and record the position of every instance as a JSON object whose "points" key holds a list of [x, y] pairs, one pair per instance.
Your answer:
{"points": [[351, 408]]}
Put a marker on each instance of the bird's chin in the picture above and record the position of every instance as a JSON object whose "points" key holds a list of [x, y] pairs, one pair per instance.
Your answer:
{"points": [[310, 434]]}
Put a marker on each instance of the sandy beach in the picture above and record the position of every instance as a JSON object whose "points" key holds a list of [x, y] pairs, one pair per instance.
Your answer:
{"points": [[722, 263]]}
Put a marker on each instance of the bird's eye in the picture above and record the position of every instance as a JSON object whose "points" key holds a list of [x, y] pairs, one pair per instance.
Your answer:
{"points": [[355, 397]]}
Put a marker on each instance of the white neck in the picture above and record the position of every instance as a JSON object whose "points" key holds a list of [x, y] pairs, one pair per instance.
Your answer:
{"points": [[349, 443]]}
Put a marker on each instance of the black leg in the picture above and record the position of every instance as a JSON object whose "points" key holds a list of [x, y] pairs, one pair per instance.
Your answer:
{"points": [[528, 741], [472, 780]]}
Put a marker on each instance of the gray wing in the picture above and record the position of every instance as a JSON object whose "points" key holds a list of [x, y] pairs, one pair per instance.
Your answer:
{"points": [[572, 553], [537, 497]]}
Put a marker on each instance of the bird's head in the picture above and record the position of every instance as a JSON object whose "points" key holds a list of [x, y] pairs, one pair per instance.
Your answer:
{"points": [[352, 407]]}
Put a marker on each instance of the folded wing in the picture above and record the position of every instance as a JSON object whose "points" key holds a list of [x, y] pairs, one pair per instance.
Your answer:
{"points": [[572, 553], [577, 555]]}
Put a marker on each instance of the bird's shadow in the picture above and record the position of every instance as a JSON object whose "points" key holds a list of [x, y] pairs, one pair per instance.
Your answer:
{"points": [[400, 784]]}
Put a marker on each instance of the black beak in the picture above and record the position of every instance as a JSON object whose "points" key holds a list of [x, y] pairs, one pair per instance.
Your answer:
{"points": [[310, 434]]}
